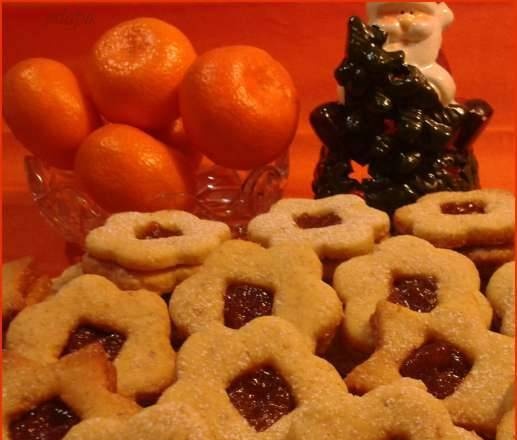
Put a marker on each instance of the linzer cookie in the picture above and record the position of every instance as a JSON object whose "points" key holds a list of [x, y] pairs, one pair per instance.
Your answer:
{"points": [[241, 281], [46, 401], [172, 421], [69, 274], [153, 251], [402, 410], [461, 363], [154, 241], [501, 294], [479, 224], [255, 381], [133, 328], [22, 286], [337, 228], [488, 259], [411, 273], [506, 427], [158, 281]]}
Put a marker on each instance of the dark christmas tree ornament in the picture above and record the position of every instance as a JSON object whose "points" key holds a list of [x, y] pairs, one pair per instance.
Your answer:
{"points": [[397, 115]]}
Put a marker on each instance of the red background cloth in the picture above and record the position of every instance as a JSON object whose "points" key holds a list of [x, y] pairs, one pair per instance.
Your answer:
{"points": [[306, 37]]}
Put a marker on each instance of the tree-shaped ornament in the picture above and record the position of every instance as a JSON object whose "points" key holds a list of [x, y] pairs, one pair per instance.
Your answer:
{"points": [[397, 115]]}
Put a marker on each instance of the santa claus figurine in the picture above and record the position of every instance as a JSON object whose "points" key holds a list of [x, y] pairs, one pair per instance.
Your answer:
{"points": [[416, 28]]}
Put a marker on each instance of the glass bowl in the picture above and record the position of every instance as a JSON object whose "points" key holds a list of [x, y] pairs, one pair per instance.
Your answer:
{"points": [[221, 194]]}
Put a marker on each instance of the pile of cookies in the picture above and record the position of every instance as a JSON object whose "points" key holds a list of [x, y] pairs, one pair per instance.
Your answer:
{"points": [[326, 323]]}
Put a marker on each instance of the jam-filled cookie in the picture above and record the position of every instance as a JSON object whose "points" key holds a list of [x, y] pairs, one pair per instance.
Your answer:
{"points": [[402, 410], [506, 427], [154, 241], [172, 421], [133, 328], [153, 251], [22, 286], [480, 224], [488, 259], [45, 401], [468, 367], [456, 219], [241, 281], [255, 381], [501, 294], [337, 227], [158, 281], [69, 274], [409, 272]]}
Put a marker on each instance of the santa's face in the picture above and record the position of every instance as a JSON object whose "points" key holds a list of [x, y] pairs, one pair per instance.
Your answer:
{"points": [[414, 27], [407, 23]]}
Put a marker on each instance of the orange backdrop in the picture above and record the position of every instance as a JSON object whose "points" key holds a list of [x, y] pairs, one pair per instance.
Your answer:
{"points": [[307, 37]]}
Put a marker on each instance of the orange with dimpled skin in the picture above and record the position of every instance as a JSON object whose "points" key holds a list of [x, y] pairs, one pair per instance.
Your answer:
{"points": [[47, 110], [239, 106], [125, 169], [135, 70]]}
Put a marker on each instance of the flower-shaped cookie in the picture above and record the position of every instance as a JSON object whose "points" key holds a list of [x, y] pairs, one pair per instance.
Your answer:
{"points": [[456, 219], [69, 274], [337, 227], [22, 286], [241, 281], [412, 273], [158, 281], [488, 259], [401, 410], [172, 421], [252, 383], [465, 365], [133, 327], [501, 294], [506, 427], [45, 401], [154, 241]]}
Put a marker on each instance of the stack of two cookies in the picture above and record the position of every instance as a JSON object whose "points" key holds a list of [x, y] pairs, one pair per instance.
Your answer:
{"points": [[479, 224], [153, 251]]}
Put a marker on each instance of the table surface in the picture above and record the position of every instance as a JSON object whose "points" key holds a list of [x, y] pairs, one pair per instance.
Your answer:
{"points": [[294, 32]]}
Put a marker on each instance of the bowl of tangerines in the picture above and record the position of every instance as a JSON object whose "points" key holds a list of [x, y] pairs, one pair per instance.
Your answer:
{"points": [[149, 124]]}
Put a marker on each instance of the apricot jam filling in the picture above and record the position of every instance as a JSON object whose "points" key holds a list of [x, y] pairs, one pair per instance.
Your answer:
{"points": [[417, 293], [311, 221], [154, 230], [262, 397], [49, 421], [461, 208], [84, 335], [244, 302], [440, 365]]}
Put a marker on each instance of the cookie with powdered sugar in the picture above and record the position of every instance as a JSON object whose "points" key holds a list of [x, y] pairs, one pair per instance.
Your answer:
{"points": [[501, 294], [469, 368], [155, 241]]}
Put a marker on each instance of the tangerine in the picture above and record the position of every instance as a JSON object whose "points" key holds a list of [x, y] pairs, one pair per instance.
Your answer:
{"points": [[239, 106], [125, 169], [46, 109], [175, 137], [135, 70]]}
